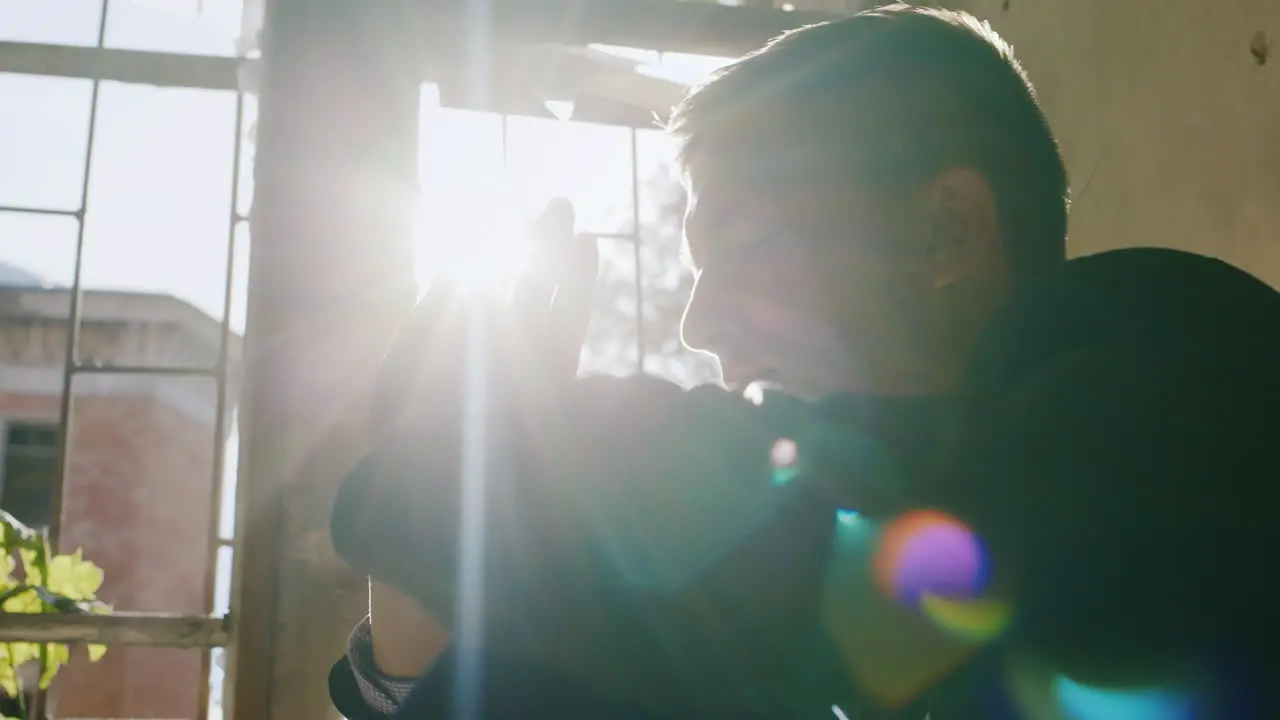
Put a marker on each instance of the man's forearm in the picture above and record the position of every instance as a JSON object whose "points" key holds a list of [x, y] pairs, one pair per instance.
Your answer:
{"points": [[407, 639]]}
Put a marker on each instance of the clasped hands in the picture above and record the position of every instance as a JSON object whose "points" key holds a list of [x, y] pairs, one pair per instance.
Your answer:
{"points": [[630, 532]]}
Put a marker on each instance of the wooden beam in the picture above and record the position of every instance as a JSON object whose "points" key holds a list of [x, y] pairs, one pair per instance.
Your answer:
{"points": [[616, 98], [330, 281], [128, 66], [180, 631], [654, 24], [667, 25]]}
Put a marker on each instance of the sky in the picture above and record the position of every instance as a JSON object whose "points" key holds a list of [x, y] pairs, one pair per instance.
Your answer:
{"points": [[158, 209], [159, 193]]}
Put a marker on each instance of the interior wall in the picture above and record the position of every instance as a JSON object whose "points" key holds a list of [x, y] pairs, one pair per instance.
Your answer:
{"points": [[1168, 113]]}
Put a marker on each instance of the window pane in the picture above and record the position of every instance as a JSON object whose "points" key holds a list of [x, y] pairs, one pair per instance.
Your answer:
{"points": [[38, 251], [130, 682], [666, 276], [217, 677], [222, 582], [30, 470], [688, 68], [159, 212], [248, 154], [648, 57], [36, 256], [589, 165], [44, 135], [138, 492], [460, 171], [240, 283], [193, 27], [611, 347], [230, 477], [57, 22], [457, 148]]}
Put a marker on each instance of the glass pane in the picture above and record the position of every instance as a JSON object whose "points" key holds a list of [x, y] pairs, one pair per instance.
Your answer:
{"points": [[30, 464], [640, 55], [590, 165], [44, 135], [240, 284], [666, 275], [192, 27], [130, 682], [460, 171], [611, 347], [217, 676], [248, 154], [159, 213], [57, 22], [230, 476], [139, 487], [691, 69], [38, 251], [458, 149], [222, 582]]}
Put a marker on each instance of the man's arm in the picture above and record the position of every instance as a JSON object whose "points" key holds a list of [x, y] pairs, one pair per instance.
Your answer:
{"points": [[406, 639], [387, 654]]}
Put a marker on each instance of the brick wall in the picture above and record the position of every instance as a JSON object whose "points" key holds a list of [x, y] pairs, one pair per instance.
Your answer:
{"points": [[137, 499], [139, 485]]}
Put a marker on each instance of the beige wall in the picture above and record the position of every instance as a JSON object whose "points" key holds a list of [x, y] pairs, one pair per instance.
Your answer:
{"points": [[1170, 126]]}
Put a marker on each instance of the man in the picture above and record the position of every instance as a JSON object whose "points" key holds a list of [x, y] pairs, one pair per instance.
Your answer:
{"points": [[863, 195]]}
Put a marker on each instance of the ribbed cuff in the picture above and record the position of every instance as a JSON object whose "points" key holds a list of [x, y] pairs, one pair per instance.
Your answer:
{"points": [[381, 692]]}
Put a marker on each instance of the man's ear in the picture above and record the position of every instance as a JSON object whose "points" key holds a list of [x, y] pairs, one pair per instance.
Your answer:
{"points": [[964, 231]]}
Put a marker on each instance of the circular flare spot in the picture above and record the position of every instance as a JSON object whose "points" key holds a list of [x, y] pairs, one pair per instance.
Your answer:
{"points": [[785, 459], [931, 562]]}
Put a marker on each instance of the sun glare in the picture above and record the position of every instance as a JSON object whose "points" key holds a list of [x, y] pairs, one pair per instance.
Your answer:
{"points": [[478, 243]]}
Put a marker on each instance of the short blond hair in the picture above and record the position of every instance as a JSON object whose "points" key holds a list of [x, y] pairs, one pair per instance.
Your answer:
{"points": [[900, 93]]}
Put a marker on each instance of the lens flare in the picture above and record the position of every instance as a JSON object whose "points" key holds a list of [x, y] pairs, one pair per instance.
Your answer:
{"points": [[785, 459], [1081, 702], [933, 563], [976, 620], [478, 246]]}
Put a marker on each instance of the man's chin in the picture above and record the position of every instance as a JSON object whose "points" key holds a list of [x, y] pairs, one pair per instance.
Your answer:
{"points": [[802, 390]]}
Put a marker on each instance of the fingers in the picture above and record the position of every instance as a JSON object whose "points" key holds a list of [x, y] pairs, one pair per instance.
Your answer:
{"points": [[553, 299], [547, 234], [574, 301]]}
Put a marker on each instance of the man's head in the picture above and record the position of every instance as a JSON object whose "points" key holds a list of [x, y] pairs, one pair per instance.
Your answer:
{"points": [[862, 195]]}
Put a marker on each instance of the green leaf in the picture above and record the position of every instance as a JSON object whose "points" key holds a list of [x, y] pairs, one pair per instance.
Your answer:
{"points": [[60, 584], [9, 680], [33, 559], [54, 658]]}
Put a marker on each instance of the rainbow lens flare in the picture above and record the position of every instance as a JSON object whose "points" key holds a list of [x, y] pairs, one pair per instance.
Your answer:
{"points": [[931, 562], [1081, 702]]}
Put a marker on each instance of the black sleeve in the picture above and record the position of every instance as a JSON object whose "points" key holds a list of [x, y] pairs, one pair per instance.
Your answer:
{"points": [[346, 696]]}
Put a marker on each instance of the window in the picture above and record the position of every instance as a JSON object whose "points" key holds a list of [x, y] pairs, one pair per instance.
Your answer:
{"points": [[159, 352], [30, 469], [108, 172]]}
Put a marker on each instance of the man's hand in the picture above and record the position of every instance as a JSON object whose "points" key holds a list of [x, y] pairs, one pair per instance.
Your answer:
{"points": [[612, 507], [396, 518]]}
